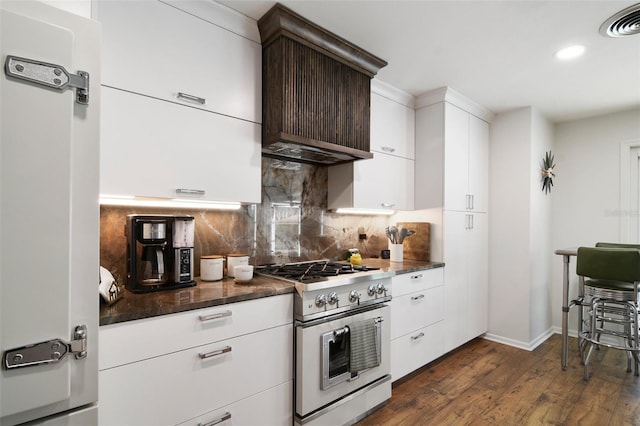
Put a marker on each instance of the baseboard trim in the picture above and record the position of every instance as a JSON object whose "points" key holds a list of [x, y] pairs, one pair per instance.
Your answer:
{"points": [[528, 346]]}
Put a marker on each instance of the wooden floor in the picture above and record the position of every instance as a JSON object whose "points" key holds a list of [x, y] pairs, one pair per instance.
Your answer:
{"points": [[487, 383]]}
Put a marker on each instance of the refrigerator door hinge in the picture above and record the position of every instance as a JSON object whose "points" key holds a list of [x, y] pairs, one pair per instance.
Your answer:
{"points": [[49, 75], [47, 352]]}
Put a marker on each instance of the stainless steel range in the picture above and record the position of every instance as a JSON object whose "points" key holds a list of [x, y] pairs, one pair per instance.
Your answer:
{"points": [[342, 339]]}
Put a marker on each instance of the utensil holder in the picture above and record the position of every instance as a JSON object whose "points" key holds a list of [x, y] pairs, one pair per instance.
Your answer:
{"points": [[396, 252]]}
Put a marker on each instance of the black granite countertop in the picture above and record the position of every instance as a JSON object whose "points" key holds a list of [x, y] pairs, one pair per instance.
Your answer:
{"points": [[206, 294]]}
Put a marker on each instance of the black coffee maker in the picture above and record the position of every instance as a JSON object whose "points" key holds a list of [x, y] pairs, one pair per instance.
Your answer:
{"points": [[153, 261]]}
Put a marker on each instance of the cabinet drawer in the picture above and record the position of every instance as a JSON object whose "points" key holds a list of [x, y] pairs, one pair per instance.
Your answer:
{"points": [[413, 350], [419, 280], [137, 340], [154, 49], [271, 407], [174, 388], [416, 310]]}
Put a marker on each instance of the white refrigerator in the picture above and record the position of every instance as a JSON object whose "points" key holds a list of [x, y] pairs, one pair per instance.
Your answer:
{"points": [[49, 215]]}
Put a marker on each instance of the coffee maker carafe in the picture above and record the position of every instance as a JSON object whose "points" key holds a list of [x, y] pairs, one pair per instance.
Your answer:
{"points": [[159, 252]]}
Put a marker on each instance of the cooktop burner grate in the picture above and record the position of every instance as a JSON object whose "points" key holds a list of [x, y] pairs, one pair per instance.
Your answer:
{"points": [[312, 271]]}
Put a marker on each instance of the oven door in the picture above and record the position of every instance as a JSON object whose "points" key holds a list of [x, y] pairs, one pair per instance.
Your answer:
{"points": [[323, 365]]}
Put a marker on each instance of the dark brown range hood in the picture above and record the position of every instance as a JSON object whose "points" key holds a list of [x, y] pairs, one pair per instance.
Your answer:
{"points": [[316, 92]]}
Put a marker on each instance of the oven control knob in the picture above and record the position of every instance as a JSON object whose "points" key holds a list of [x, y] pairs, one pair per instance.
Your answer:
{"points": [[381, 288], [333, 298], [371, 291], [321, 300], [354, 296]]}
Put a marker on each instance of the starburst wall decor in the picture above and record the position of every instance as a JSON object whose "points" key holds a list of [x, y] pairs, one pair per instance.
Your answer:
{"points": [[547, 172]]}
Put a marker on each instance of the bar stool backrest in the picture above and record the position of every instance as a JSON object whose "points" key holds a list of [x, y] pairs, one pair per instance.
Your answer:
{"points": [[617, 245], [609, 263]]}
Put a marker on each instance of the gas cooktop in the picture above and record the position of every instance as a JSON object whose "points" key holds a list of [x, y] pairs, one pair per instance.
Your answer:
{"points": [[325, 288], [318, 274], [312, 271]]}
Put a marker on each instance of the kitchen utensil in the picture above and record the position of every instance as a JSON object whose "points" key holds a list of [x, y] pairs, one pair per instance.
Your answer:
{"points": [[402, 233], [393, 230]]}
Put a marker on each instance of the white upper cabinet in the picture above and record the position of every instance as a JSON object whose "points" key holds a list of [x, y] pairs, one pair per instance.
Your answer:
{"points": [[151, 148], [160, 51], [456, 157], [393, 127], [387, 180], [452, 156], [383, 182], [479, 163], [182, 105]]}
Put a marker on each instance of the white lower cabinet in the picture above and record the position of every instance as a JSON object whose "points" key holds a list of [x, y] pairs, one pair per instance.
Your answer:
{"points": [[271, 407], [416, 320], [466, 277], [228, 378], [413, 350]]}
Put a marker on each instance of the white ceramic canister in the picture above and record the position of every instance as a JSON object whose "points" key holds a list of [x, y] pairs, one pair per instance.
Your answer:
{"points": [[236, 259], [211, 267]]}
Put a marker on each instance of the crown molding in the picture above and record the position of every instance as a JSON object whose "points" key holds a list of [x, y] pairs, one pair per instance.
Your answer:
{"points": [[447, 94], [392, 93]]}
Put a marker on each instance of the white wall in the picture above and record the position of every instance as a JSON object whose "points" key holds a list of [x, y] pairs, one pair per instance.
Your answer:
{"points": [[540, 247], [509, 198], [587, 197], [519, 230]]}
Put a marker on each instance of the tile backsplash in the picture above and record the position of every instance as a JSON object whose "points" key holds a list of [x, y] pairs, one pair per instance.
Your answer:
{"points": [[291, 224]]}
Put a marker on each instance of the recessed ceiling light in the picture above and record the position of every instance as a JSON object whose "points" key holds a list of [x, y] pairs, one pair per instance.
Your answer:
{"points": [[570, 52]]}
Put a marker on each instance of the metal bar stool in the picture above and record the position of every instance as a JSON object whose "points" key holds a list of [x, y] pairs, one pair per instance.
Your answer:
{"points": [[610, 277]]}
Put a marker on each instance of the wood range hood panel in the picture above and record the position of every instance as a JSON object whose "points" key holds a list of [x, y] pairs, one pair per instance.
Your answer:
{"points": [[316, 92]]}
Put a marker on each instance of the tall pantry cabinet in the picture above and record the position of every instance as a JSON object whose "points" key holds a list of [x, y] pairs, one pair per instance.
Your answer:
{"points": [[452, 180]]}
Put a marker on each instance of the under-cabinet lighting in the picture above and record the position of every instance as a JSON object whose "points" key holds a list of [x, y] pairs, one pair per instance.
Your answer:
{"points": [[131, 201], [365, 211]]}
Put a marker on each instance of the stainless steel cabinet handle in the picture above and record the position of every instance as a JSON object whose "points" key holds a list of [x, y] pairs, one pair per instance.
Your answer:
{"points": [[469, 220], [417, 336], [387, 205], [215, 353], [187, 191], [416, 277], [217, 315], [191, 98], [225, 416], [472, 202], [418, 297], [387, 149]]}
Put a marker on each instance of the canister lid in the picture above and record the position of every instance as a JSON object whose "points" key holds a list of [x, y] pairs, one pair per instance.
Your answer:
{"points": [[211, 256], [237, 255]]}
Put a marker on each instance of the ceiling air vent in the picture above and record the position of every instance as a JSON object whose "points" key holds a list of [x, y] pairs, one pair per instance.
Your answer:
{"points": [[624, 23]]}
